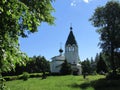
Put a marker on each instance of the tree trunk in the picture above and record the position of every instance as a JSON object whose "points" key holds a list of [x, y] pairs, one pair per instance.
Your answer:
{"points": [[1, 81], [43, 75], [112, 59], [2, 85]]}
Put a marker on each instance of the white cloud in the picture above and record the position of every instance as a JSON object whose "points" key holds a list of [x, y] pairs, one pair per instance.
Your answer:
{"points": [[73, 3], [86, 1], [76, 2]]}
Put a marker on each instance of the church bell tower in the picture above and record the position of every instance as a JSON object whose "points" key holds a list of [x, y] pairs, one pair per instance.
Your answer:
{"points": [[72, 54], [71, 49]]}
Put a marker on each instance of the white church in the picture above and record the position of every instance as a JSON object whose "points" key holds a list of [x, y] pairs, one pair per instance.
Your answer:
{"points": [[71, 55]]}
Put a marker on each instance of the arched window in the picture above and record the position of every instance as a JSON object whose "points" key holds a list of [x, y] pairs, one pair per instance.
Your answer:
{"points": [[69, 48], [73, 48]]}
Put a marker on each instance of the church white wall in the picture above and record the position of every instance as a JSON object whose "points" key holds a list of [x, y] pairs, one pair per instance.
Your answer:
{"points": [[55, 66], [72, 55]]}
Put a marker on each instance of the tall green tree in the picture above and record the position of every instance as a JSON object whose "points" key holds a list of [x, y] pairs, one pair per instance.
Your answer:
{"points": [[93, 66], [107, 19], [18, 18], [65, 68], [86, 66], [96, 57]]}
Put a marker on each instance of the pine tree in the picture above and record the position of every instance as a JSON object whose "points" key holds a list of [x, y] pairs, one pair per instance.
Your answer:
{"points": [[86, 67], [65, 68], [101, 65]]}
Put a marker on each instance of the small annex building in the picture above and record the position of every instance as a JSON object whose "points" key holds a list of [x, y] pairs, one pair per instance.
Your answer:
{"points": [[56, 62], [71, 55]]}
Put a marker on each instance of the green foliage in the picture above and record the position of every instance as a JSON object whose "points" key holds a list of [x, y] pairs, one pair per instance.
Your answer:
{"points": [[2, 84], [31, 75], [65, 68], [25, 76], [112, 76], [36, 64], [107, 19], [18, 18], [101, 66], [10, 78], [88, 66]]}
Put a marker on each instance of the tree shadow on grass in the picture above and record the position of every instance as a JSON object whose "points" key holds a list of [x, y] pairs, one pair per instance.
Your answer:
{"points": [[82, 86], [104, 84], [101, 84]]}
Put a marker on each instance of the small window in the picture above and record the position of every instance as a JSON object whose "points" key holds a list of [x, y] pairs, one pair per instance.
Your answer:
{"points": [[69, 49], [73, 49]]}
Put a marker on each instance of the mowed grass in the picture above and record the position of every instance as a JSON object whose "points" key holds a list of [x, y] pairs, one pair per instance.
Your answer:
{"points": [[69, 82]]}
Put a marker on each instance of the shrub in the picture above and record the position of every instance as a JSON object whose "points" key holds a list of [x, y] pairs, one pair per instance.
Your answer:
{"points": [[25, 76], [113, 76], [10, 78], [104, 83], [33, 75], [65, 68]]}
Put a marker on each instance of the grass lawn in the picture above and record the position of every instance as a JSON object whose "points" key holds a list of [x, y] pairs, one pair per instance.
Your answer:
{"points": [[57, 83]]}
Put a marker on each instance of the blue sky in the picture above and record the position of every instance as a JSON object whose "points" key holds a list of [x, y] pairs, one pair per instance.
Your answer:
{"points": [[46, 42]]}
